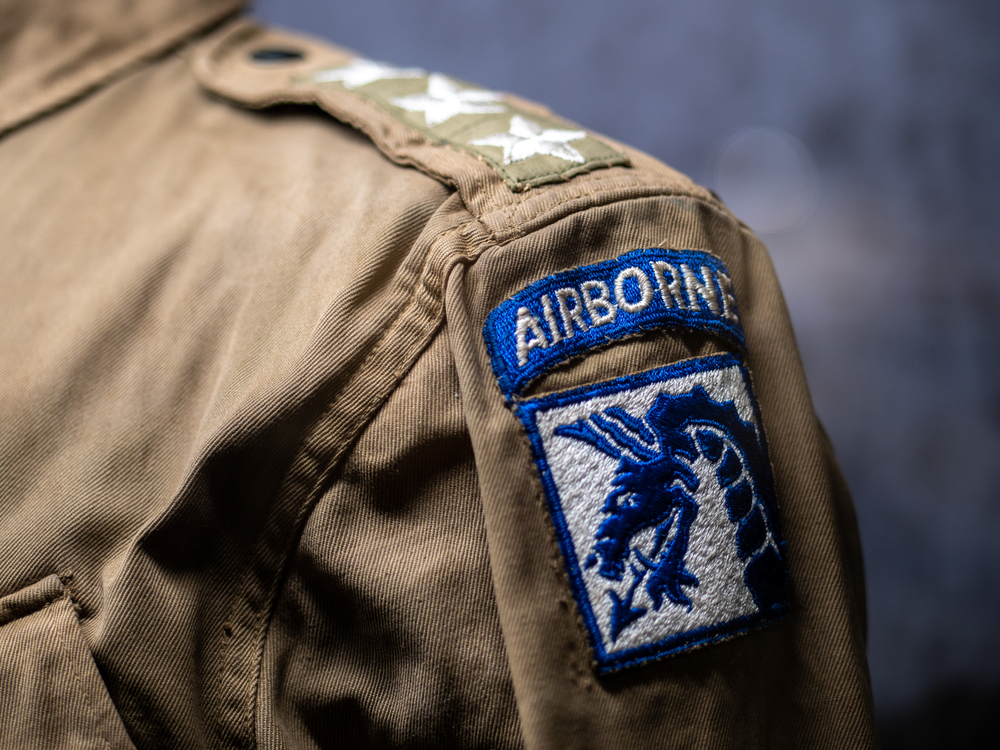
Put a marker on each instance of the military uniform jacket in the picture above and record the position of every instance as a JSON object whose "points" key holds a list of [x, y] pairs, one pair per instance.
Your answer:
{"points": [[350, 405]]}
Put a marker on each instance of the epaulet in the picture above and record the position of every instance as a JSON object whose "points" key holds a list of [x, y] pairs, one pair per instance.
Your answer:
{"points": [[486, 144]]}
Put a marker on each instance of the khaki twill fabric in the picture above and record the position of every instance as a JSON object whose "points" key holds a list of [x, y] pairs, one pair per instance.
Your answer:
{"points": [[258, 484]]}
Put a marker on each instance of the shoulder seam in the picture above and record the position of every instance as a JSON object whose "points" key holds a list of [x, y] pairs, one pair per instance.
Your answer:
{"points": [[529, 222]]}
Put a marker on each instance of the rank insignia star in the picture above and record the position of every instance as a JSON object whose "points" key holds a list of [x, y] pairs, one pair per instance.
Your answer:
{"points": [[524, 147], [525, 138], [361, 72], [446, 99]]}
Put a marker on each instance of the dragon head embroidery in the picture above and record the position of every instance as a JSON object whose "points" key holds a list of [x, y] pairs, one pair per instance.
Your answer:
{"points": [[655, 488]]}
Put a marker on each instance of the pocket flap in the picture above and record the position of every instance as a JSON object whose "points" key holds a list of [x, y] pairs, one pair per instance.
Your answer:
{"points": [[51, 693]]}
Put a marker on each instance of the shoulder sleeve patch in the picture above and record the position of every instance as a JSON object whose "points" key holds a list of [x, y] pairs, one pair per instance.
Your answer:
{"points": [[568, 313], [527, 148], [660, 489]]}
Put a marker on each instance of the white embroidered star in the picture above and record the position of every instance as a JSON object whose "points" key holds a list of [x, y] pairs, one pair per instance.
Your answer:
{"points": [[525, 138], [361, 72], [444, 99]]}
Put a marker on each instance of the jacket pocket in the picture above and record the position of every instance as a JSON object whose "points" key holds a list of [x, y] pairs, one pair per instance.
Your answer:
{"points": [[51, 694]]}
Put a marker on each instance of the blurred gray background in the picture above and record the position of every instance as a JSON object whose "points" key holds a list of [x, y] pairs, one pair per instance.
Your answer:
{"points": [[861, 139]]}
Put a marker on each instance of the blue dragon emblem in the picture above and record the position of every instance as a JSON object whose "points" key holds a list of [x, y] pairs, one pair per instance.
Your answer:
{"points": [[655, 488]]}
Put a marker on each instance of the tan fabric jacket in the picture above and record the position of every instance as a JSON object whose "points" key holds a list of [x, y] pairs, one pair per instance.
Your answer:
{"points": [[259, 485]]}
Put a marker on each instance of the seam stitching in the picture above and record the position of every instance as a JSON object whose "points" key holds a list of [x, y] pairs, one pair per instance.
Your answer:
{"points": [[70, 661], [421, 295]]}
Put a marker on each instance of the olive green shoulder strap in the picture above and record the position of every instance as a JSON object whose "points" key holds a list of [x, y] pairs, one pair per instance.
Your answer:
{"points": [[422, 119]]}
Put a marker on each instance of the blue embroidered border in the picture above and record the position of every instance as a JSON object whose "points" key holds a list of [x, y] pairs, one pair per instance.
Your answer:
{"points": [[565, 318], [527, 410]]}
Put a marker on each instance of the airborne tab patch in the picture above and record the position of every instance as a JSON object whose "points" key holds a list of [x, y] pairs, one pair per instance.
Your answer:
{"points": [[661, 492], [570, 312]]}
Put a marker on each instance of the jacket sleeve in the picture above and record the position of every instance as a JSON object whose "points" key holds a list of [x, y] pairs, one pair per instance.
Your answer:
{"points": [[800, 681]]}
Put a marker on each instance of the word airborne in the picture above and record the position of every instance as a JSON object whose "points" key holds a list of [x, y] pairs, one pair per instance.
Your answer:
{"points": [[680, 287], [576, 310]]}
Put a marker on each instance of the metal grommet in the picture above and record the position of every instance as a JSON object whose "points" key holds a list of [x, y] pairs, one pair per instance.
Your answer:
{"points": [[276, 55]]}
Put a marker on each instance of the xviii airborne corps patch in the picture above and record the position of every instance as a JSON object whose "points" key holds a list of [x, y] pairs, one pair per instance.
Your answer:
{"points": [[659, 486]]}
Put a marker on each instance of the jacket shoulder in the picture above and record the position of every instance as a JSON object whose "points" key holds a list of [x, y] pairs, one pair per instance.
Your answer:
{"points": [[500, 152]]}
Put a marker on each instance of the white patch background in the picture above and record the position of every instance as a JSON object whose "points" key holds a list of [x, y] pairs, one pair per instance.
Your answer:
{"points": [[584, 476]]}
